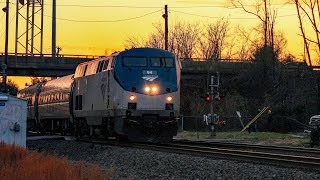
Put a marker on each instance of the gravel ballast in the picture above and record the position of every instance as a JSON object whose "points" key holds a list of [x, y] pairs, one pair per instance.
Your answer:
{"points": [[129, 163]]}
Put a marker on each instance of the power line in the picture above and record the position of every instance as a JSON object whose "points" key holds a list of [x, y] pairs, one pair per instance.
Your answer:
{"points": [[119, 6], [148, 7], [103, 6], [126, 6], [2, 16], [8, 25], [102, 21], [191, 14]]}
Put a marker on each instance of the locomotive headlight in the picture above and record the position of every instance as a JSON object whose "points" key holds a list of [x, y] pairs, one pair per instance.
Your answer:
{"points": [[132, 97], [147, 89], [169, 98], [154, 89]]}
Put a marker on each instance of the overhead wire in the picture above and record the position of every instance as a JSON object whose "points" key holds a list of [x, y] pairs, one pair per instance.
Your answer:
{"points": [[104, 21], [127, 6], [220, 17], [10, 21]]}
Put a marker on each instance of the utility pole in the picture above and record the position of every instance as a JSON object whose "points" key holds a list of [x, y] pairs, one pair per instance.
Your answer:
{"points": [[4, 65], [53, 48], [165, 16]]}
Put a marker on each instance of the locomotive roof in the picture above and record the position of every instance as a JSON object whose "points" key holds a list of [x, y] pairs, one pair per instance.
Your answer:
{"points": [[156, 52], [60, 83], [29, 91]]}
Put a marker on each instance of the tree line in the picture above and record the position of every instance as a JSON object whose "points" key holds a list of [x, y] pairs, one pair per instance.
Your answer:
{"points": [[291, 95]]}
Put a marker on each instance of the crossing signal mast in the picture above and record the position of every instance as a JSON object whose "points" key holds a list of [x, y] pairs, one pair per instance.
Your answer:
{"points": [[214, 94]]}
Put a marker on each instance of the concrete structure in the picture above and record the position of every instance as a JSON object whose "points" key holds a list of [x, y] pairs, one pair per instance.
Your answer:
{"points": [[44, 66], [13, 120]]}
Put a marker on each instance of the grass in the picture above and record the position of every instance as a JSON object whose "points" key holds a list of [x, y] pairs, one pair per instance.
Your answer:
{"points": [[262, 136], [17, 163]]}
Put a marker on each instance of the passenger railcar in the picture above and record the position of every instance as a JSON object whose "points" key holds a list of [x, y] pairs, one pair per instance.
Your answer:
{"points": [[132, 94], [31, 94]]}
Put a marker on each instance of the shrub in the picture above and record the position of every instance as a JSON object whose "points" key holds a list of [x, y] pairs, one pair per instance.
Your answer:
{"points": [[17, 163]]}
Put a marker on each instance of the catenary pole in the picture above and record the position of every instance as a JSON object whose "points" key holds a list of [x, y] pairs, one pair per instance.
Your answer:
{"points": [[4, 65], [53, 28]]}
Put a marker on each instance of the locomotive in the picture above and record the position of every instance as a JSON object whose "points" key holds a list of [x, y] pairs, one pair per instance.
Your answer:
{"points": [[133, 94]]}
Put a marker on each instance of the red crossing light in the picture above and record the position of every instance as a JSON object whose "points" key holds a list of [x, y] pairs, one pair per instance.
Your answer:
{"points": [[207, 98], [218, 98]]}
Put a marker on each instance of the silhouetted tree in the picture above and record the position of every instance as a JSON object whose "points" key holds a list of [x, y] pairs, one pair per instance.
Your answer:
{"points": [[213, 39], [37, 80], [310, 9], [12, 87]]}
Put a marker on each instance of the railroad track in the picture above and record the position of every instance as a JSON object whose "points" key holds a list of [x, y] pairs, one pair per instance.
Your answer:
{"points": [[289, 150], [300, 158]]}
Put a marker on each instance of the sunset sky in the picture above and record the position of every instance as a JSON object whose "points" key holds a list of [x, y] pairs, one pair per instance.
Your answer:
{"points": [[96, 26]]}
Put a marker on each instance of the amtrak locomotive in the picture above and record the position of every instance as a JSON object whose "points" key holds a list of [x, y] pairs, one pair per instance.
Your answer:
{"points": [[133, 94]]}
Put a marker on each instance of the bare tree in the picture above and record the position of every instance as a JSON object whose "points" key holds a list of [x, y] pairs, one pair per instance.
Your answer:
{"points": [[183, 39], [309, 8], [187, 37], [37, 80], [213, 38], [265, 13], [134, 41]]}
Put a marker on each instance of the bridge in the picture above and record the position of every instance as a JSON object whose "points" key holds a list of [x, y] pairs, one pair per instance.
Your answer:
{"points": [[48, 66]]}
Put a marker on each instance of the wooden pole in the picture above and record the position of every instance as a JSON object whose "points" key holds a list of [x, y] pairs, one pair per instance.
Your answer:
{"points": [[166, 27]]}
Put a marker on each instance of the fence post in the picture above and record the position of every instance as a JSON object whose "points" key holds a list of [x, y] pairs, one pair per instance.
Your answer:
{"points": [[197, 127], [182, 122]]}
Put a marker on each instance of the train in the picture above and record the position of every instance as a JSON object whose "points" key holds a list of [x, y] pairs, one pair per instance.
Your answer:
{"points": [[133, 94]]}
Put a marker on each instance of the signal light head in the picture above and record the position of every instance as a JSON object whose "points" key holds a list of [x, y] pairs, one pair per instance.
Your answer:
{"points": [[169, 98], [218, 98], [207, 98]]}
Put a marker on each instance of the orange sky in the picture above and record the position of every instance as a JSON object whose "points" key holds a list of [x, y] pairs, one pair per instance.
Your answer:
{"points": [[95, 37]]}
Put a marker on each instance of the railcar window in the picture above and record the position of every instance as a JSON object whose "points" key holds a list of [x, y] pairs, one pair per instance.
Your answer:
{"points": [[134, 61], [80, 71], [100, 66], [105, 65], [162, 62], [85, 69]]}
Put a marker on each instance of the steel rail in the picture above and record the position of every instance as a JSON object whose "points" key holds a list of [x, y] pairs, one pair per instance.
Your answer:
{"points": [[261, 157], [266, 148], [196, 150]]}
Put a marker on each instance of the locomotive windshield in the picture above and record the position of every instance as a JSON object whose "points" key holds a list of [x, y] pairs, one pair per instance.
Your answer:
{"points": [[135, 61], [162, 62], [135, 68]]}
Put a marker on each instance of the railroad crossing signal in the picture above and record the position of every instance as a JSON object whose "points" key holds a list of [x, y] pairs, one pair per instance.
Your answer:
{"points": [[207, 97]]}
